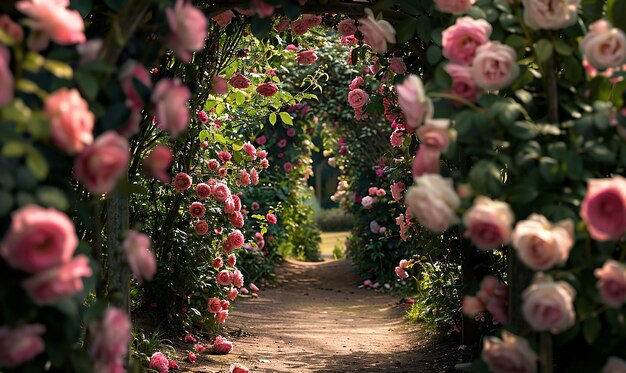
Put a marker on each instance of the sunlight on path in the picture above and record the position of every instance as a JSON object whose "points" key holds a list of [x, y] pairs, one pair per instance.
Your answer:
{"points": [[330, 240]]}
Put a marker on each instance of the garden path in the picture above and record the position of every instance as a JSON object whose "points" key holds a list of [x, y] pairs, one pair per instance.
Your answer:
{"points": [[317, 320]]}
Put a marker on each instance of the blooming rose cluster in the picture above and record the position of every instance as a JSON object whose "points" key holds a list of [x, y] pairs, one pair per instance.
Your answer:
{"points": [[492, 296], [305, 23], [358, 98]]}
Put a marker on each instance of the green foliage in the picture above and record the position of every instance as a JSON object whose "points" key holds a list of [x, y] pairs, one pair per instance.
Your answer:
{"points": [[334, 220]]}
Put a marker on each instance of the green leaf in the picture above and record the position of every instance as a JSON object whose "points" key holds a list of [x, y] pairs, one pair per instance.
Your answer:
{"points": [[52, 197], [523, 194], [548, 168], [424, 29], [59, 69], [6, 202], [406, 30], [14, 148], [522, 130], [485, 178], [433, 54], [543, 50], [115, 5], [273, 118], [562, 48], [38, 126], [616, 12], [83, 6], [591, 329], [286, 118], [292, 9], [218, 137], [240, 98], [600, 153], [88, 84], [260, 27], [37, 164]]}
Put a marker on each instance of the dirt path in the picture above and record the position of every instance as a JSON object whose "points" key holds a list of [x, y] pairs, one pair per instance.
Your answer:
{"points": [[317, 320]]}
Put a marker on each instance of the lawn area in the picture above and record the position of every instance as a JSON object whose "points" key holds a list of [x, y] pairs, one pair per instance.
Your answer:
{"points": [[330, 240]]}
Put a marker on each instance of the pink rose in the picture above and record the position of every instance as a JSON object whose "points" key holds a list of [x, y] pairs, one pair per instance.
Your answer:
{"points": [[201, 227], [237, 278], [203, 191], [357, 98], [224, 19], [367, 202], [299, 27], [356, 83], [224, 278], [102, 163], [432, 201], [397, 138], [454, 6], [415, 105], [237, 80], [71, 122], [219, 85], [541, 245], [111, 336], [306, 57], [376, 31], [461, 40], [6, 77], [232, 294], [221, 346], [221, 316], [51, 20], [221, 192], [200, 348], [550, 14], [38, 239], [11, 28], [238, 368], [181, 182], [604, 46], [401, 273], [218, 262], [488, 223], [311, 20], [509, 354], [59, 282], [426, 161], [261, 140], [612, 283], [614, 365], [131, 71], [253, 287], [21, 344], [158, 163], [463, 84], [159, 362], [236, 219], [261, 8], [397, 65], [232, 260], [472, 305], [140, 258], [396, 191], [197, 210], [170, 98], [271, 218], [434, 134], [495, 66], [347, 27], [267, 89], [188, 29], [548, 305], [282, 25], [191, 357], [604, 208]]}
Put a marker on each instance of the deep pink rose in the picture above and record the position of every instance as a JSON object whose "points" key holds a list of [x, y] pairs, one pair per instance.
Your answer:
{"points": [[11, 28], [463, 84], [509, 354], [254, 176], [548, 305], [415, 105], [357, 98], [224, 278], [131, 71], [236, 219], [306, 57], [238, 368], [495, 66], [197, 210], [188, 29], [377, 33], [356, 83], [612, 283], [221, 346], [59, 282], [235, 239], [426, 161], [401, 273], [261, 140], [299, 27], [460, 40], [232, 260], [201, 227], [221, 316], [213, 164], [51, 20], [488, 223], [311, 20], [218, 85], [550, 14], [181, 182], [159, 362], [271, 218], [397, 138], [6, 77], [21, 344], [250, 150], [158, 163], [282, 25], [237, 80], [191, 357], [232, 294], [38, 239], [221, 192], [347, 27], [604, 208], [604, 46], [71, 122], [203, 191], [170, 98], [261, 8], [103, 163], [224, 19], [434, 134], [202, 116], [111, 336], [140, 258], [218, 262], [397, 65], [454, 6], [267, 89]]}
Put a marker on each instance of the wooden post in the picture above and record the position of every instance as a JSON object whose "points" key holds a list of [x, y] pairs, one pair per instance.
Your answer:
{"points": [[118, 273]]}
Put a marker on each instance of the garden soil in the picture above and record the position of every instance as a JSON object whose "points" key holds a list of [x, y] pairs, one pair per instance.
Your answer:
{"points": [[317, 320]]}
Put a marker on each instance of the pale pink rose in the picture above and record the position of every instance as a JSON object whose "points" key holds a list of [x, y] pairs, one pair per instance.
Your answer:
{"points": [[203, 191], [6, 77], [434, 134], [614, 365], [159, 362], [140, 258], [188, 29], [454, 6], [461, 40], [267, 89], [282, 25], [509, 354], [357, 98], [612, 283], [472, 305], [495, 66], [21, 344], [548, 305], [550, 14], [111, 336], [59, 282], [224, 278], [604, 208], [218, 85], [237, 278], [238, 80], [158, 163], [71, 122], [224, 19], [221, 346], [604, 46], [131, 71], [403, 264], [377, 33], [415, 105], [238, 368], [306, 57], [253, 287], [181, 182], [197, 210], [401, 273], [488, 223], [11, 28], [426, 161], [397, 65], [221, 316], [367, 202], [396, 191], [38, 239], [103, 163], [463, 84], [381, 192], [372, 190], [540, 245], [356, 83], [347, 27], [51, 20], [432, 201], [170, 98], [374, 226], [89, 50], [201, 227]]}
